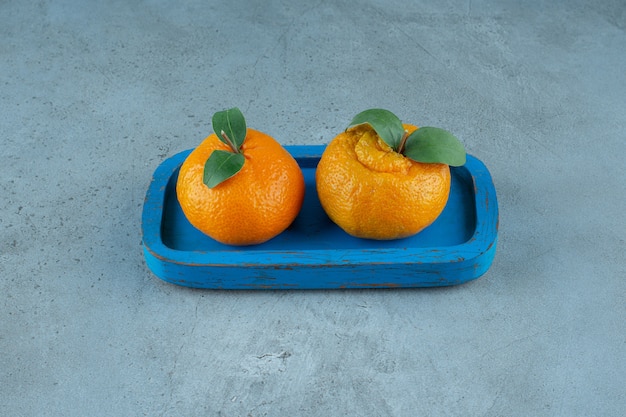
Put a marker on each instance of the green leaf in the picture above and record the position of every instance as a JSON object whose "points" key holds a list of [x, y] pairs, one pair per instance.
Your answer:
{"points": [[386, 124], [220, 166], [435, 145], [232, 124]]}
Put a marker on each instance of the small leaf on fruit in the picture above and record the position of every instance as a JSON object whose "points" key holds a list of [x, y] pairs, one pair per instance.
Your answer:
{"points": [[220, 166], [434, 145], [386, 124], [232, 124]]}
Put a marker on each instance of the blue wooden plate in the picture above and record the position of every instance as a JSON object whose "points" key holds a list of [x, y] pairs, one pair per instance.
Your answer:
{"points": [[313, 252]]}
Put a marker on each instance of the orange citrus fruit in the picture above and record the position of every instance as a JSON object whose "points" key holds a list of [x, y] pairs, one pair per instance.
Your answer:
{"points": [[372, 192], [252, 206]]}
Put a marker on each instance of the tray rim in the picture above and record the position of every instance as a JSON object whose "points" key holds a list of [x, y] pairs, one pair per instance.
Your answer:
{"points": [[482, 240]]}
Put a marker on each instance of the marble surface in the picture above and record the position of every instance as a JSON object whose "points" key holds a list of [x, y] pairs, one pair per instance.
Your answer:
{"points": [[95, 95]]}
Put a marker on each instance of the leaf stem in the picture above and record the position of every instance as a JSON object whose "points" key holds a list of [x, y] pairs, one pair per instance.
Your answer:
{"points": [[229, 142], [405, 136]]}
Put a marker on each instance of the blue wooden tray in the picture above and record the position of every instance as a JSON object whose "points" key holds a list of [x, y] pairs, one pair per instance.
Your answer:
{"points": [[313, 252]]}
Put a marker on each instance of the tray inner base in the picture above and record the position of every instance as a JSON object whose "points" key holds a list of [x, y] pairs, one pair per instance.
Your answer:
{"points": [[312, 229]]}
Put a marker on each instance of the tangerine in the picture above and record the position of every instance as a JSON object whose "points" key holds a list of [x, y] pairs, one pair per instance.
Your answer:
{"points": [[252, 206], [374, 192]]}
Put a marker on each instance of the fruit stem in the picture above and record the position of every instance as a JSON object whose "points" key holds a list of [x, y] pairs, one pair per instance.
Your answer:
{"points": [[229, 142], [405, 136]]}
